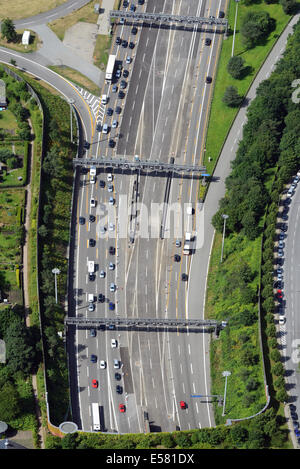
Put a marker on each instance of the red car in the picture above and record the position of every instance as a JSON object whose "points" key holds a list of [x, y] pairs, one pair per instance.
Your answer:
{"points": [[94, 383], [279, 294], [182, 405], [122, 408]]}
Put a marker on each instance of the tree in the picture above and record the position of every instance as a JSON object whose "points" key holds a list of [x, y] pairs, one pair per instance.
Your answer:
{"points": [[9, 402], [8, 30], [231, 97], [236, 66], [254, 27], [289, 6], [21, 354]]}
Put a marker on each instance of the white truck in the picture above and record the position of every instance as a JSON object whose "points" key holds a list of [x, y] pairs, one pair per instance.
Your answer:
{"points": [[110, 68], [93, 174], [187, 247], [96, 416], [91, 298], [91, 267]]}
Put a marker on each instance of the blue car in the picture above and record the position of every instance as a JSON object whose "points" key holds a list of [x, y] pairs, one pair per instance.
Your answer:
{"points": [[111, 306]]}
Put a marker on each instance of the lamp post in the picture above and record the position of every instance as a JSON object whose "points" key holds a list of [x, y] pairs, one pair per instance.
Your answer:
{"points": [[55, 272], [224, 218], [225, 374], [236, 10]]}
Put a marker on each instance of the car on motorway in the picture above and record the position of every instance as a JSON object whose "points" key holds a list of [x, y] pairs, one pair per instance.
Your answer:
{"points": [[132, 7], [98, 127], [122, 21], [141, 2], [131, 45], [110, 188], [93, 333], [117, 376], [121, 95], [114, 343], [92, 276], [93, 202], [114, 124], [178, 243], [111, 201], [118, 73], [124, 43], [111, 306], [182, 405], [125, 73], [128, 60], [93, 358], [123, 84], [112, 250], [125, 4], [81, 220], [184, 277], [119, 389], [102, 184], [92, 243], [86, 145], [102, 274], [111, 327], [114, 88], [280, 252], [208, 79], [91, 307], [111, 143], [112, 287], [92, 218], [118, 40], [116, 363], [101, 298], [94, 383], [109, 111], [109, 177], [177, 258], [111, 227], [102, 364], [118, 109], [280, 244], [221, 14], [105, 129], [134, 30], [122, 408], [207, 41], [111, 266], [102, 229]]}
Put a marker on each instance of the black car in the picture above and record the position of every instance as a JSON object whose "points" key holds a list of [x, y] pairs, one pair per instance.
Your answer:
{"points": [[101, 298], [86, 145], [111, 143], [132, 7], [123, 84], [221, 14], [98, 127], [131, 45], [102, 184], [93, 358], [141, 2], [177, 258], [117, 376], [284, 227], [124, 43], [207, 41], [92, 243], [208, 79], [121, 94], [119, 389], [125, 73], [118, 110], [134, 30], [112, 250], [92, 277], [109, 111], [118, 41], [81, 220], [125, 4], [92, 218], [184, 277]]}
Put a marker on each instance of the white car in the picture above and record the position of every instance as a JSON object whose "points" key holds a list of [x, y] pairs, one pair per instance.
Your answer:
{"points": [[281, 320], [112, 287], [102, 229], [114, 343], [102, 364], [114, 124], [128, 59], [105, 129], [110, 188], [111, 201], [93, 202], [111, 266], [109, 177], [111, 227], [102, 274]]}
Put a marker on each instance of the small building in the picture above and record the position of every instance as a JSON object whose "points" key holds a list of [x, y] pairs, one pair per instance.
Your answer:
{"points": [[3, 102], [26, 38]]}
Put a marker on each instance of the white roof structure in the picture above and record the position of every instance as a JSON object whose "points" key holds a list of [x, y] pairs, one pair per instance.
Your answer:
{"points": [[25, 38]]}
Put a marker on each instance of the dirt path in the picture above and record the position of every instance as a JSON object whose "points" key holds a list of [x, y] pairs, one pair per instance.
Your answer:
{"points": [[26, 280]]}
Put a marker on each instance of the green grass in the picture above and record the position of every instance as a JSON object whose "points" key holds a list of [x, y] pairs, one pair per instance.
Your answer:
{"points": [[221, 116]]}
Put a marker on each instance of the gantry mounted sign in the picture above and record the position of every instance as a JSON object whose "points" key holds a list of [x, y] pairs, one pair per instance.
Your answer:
{"points": [[122, 163], [167, 18]]}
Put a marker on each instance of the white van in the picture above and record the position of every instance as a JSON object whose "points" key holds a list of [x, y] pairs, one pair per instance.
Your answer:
{"points": [[189, 210], [91, 298], [104, 99], [91, 267]]}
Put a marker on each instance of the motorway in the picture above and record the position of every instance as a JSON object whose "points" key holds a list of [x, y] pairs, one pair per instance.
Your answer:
{"points": [[163, 115]]}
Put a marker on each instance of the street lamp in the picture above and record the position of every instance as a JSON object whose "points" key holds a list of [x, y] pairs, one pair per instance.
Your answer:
{"points": [[236, 10], [224, 218], [55, 272], [225, 374]]}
